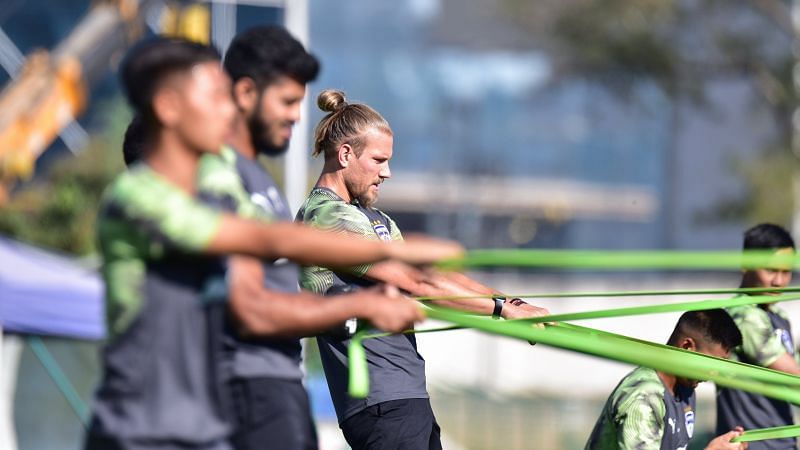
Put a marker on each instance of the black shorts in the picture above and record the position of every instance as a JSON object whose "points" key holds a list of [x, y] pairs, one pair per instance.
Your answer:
{"points": [[270, 413], [406, 424]]}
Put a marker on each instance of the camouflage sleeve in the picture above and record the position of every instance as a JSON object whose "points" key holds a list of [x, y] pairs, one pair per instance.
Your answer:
{"points": [[759, 341], [341, 217], [161, 212], [219, 184], [640, 422], [141, 218]]}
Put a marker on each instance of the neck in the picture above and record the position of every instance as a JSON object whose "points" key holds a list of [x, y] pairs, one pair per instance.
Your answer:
{"points": [[171, 158], [240, 138], [669, 381], [332, 178]]}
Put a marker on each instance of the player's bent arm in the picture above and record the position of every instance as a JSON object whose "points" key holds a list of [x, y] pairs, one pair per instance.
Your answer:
{"points": [[641, 425], [309, 246], [723, 442], [453, 284], [428, 284], [263, 312], [785, 363], [438, 284]]}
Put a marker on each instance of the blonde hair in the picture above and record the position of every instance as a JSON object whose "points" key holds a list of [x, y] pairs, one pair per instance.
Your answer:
{"points": [[345, 123]]}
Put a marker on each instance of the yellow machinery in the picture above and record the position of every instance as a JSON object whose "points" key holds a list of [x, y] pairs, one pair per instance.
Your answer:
{"points": [[51, 90]]}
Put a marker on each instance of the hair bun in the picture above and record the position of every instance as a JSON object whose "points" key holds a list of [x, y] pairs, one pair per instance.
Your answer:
{"points": [[331, 100]]}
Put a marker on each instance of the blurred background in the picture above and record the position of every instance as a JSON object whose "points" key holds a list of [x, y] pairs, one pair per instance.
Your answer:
{"points": [[615, 124]]}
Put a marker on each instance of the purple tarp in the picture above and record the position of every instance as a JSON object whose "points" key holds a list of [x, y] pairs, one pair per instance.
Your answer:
{"points": [[44, 293]]}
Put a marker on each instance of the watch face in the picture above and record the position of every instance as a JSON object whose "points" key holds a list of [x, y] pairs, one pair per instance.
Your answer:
{"points": [[351, 325]]}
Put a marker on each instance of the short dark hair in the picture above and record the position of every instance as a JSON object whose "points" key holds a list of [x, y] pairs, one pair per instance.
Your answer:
{"points": [[265, 53], [767, 236], [148, 63], [134, 145], [714, 325]]}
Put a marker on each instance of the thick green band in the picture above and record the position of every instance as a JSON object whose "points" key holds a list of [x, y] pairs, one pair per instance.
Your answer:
{"points": [[628, 260]]}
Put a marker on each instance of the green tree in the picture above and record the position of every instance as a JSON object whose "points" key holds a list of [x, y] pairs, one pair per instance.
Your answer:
{"points": [[682, 46], [58, 208]]}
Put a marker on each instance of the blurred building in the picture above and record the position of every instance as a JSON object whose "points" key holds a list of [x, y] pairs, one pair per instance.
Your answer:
{"points": [[495, 149]]}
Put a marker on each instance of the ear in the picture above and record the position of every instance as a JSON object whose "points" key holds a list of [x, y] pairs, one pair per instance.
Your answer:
{"points": [[688, 343], [166, 107], [245, 95], [345, 154]]}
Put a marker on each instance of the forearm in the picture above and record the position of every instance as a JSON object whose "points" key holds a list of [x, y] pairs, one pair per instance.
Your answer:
{"points": [[295, 242], [280, 314]]}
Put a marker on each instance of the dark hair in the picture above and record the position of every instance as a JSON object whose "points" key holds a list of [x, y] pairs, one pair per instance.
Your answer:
{"points": [[148, 63], [345, 123], [767, 236], [265, 53], [134, 145], [714, 325]]}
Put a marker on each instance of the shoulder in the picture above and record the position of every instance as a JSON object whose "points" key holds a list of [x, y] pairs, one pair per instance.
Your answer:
{"points": [[135, 191], [745, 315], [326, 207], [640, 390], [217, 173], [140, 199]]}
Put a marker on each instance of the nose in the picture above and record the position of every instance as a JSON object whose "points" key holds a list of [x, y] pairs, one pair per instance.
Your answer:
{"points": [[294, 113], [781, 278], [385, 171]]}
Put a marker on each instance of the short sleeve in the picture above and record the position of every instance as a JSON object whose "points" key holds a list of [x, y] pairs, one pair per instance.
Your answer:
{"points": [[162, 212], [219, 185], [640, 422], [759, 341]]}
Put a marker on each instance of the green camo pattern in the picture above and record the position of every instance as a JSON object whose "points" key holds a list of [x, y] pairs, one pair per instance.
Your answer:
{"points": [[325, 210], [142, 218]]}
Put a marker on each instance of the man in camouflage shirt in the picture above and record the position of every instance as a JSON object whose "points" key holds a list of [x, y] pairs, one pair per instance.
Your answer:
{"points": [[766, 341], [357, 144], [655, 410]]}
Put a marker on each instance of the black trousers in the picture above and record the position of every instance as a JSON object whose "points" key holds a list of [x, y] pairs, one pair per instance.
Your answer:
{"points": [[406, 424], [271, 413]]}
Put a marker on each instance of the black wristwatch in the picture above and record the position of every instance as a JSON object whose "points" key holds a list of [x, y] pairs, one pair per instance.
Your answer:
{"points": [[498, 307]]}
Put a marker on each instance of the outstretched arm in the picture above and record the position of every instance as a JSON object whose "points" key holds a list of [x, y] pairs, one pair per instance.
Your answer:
{"points": [[723, 442], [434, 283], [263, 312], [309, 246]]}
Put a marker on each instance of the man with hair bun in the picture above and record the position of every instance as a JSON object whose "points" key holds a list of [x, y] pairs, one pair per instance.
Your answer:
{"points": [[766, 342], [356, 143], [267, 401], [161, 253]]}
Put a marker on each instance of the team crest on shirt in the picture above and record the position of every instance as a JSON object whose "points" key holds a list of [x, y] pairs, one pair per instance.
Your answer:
{"points": [[786, 340], [689, 416], [269, 200], [381, 231]]}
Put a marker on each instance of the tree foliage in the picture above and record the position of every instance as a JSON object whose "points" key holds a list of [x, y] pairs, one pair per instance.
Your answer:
{"points": [[58, 208], [682, 46]]}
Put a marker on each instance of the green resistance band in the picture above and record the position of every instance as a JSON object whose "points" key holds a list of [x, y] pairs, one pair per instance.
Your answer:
{"points": [[359, 383], [675, 292], [610, 346], [763, 434], [698, 305], [359, 378], [616, 260]]}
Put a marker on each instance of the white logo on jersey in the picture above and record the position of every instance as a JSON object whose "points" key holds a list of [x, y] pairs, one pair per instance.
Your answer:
{"points": [[382, 231], [689, 422], [671, 422], [270, 202], [786, 340]]}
